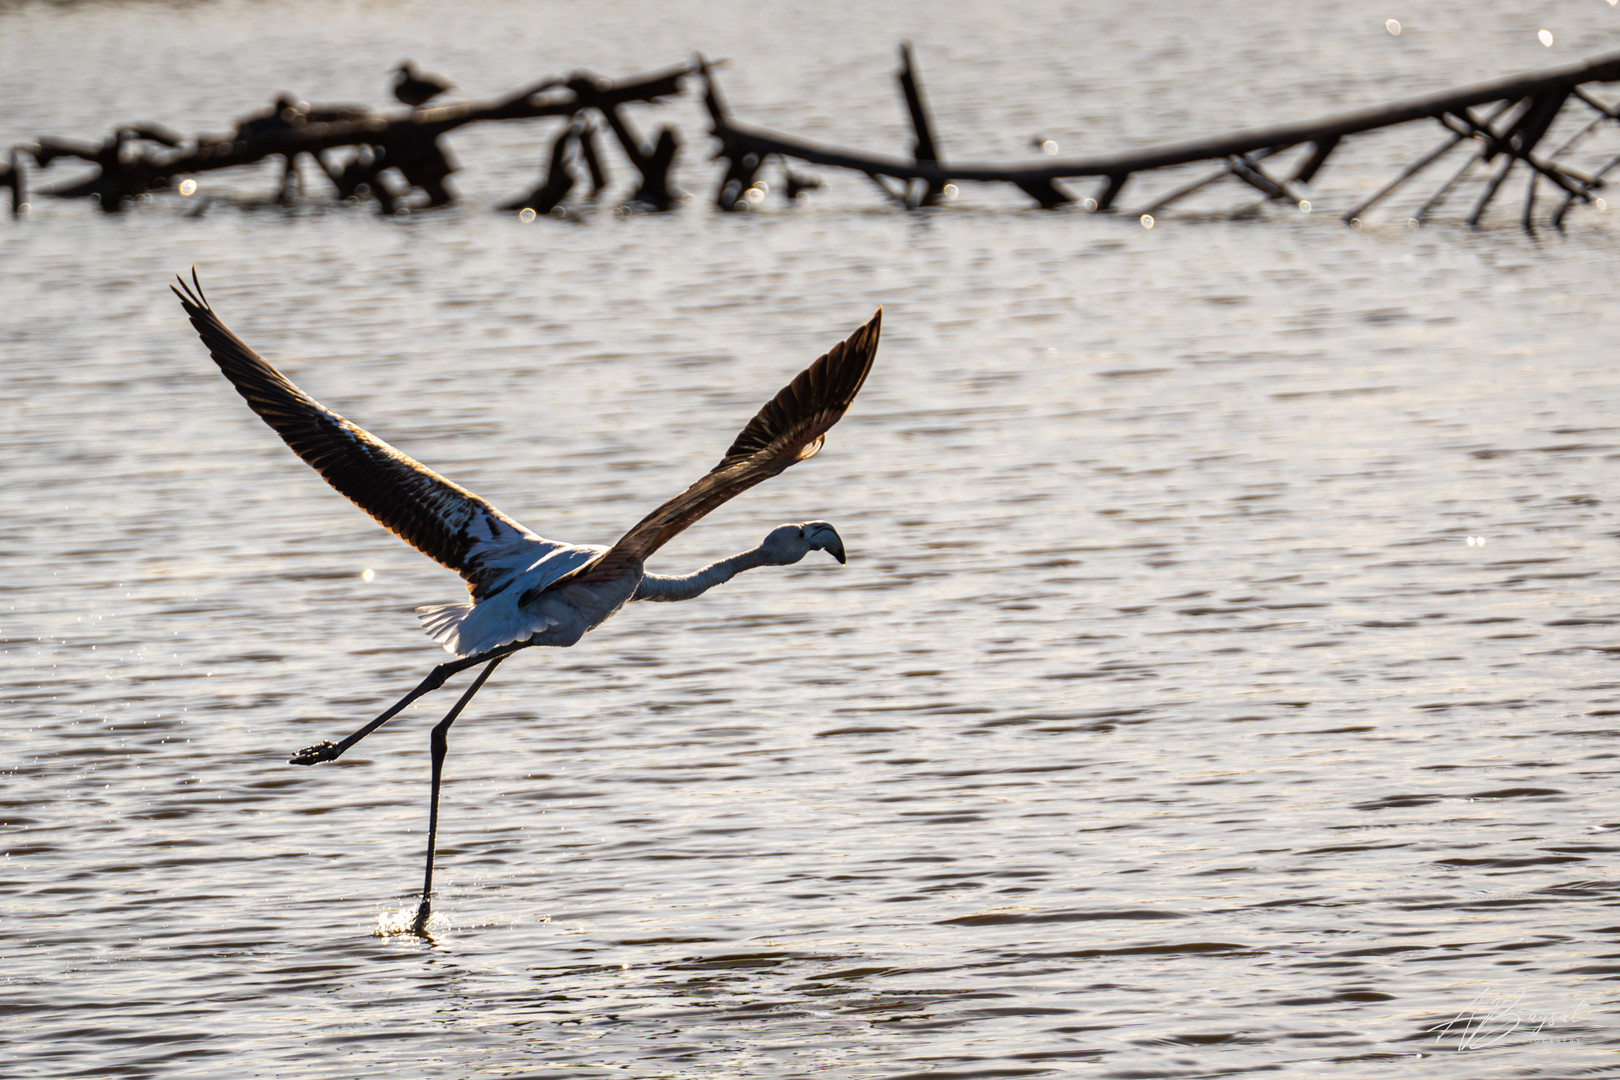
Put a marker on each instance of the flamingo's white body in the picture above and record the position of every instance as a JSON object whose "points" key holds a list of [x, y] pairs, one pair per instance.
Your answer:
{"points": [[527, 590]]}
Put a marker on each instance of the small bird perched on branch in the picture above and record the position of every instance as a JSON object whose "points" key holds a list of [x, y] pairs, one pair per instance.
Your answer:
{"points": [[417, 88]]}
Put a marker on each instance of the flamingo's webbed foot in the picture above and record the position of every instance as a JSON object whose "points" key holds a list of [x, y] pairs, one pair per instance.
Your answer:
{"points": [[326, 750]]}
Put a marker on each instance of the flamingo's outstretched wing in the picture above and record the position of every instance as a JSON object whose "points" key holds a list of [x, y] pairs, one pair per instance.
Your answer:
{"points": [[442, 520], [790, 428]]}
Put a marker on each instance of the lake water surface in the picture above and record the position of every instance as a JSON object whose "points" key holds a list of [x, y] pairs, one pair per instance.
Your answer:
{"points": [[1224, 679]]}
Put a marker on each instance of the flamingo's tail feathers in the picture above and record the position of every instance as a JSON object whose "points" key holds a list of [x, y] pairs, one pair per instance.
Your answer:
{"points": [[443, 623], [470, 629]]}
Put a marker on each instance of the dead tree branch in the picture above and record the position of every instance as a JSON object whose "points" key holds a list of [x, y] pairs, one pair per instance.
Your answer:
{"points": [[143, 157], [745, 147]]}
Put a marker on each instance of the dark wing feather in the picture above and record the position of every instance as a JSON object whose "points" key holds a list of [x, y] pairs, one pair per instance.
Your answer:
{"points": [[790, 428], [442, 520]]}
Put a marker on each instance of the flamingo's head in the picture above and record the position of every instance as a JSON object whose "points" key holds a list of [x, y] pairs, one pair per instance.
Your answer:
{"points": [[790, 543]]}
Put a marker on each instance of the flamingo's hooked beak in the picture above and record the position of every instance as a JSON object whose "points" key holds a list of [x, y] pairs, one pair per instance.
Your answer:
{"points": [[823, 537]]}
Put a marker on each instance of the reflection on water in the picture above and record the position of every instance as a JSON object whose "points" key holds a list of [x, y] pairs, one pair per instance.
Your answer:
{"points": [[1164, 720]]}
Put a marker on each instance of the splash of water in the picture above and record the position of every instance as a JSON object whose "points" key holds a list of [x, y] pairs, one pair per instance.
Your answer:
{"points": [[403, 921]]}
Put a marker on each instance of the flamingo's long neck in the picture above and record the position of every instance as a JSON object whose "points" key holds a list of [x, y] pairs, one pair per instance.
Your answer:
{"points": [[658, 587]]}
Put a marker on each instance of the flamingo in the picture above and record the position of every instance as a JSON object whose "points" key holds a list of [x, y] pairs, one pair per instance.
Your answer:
{"points": [[527, 590]]}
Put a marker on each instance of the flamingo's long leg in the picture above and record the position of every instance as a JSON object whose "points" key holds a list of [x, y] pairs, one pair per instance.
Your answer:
{"points": [[440, 743], [328, 750]]}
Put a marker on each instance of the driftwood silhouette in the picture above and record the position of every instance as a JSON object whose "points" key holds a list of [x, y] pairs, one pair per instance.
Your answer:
{"points": [[579, 139], [1511, 133], [13, 177], [355, 147], [391, 158]]}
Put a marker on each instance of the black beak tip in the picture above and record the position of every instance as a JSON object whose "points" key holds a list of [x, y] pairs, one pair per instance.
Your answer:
{"points": [[825, 538]]}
